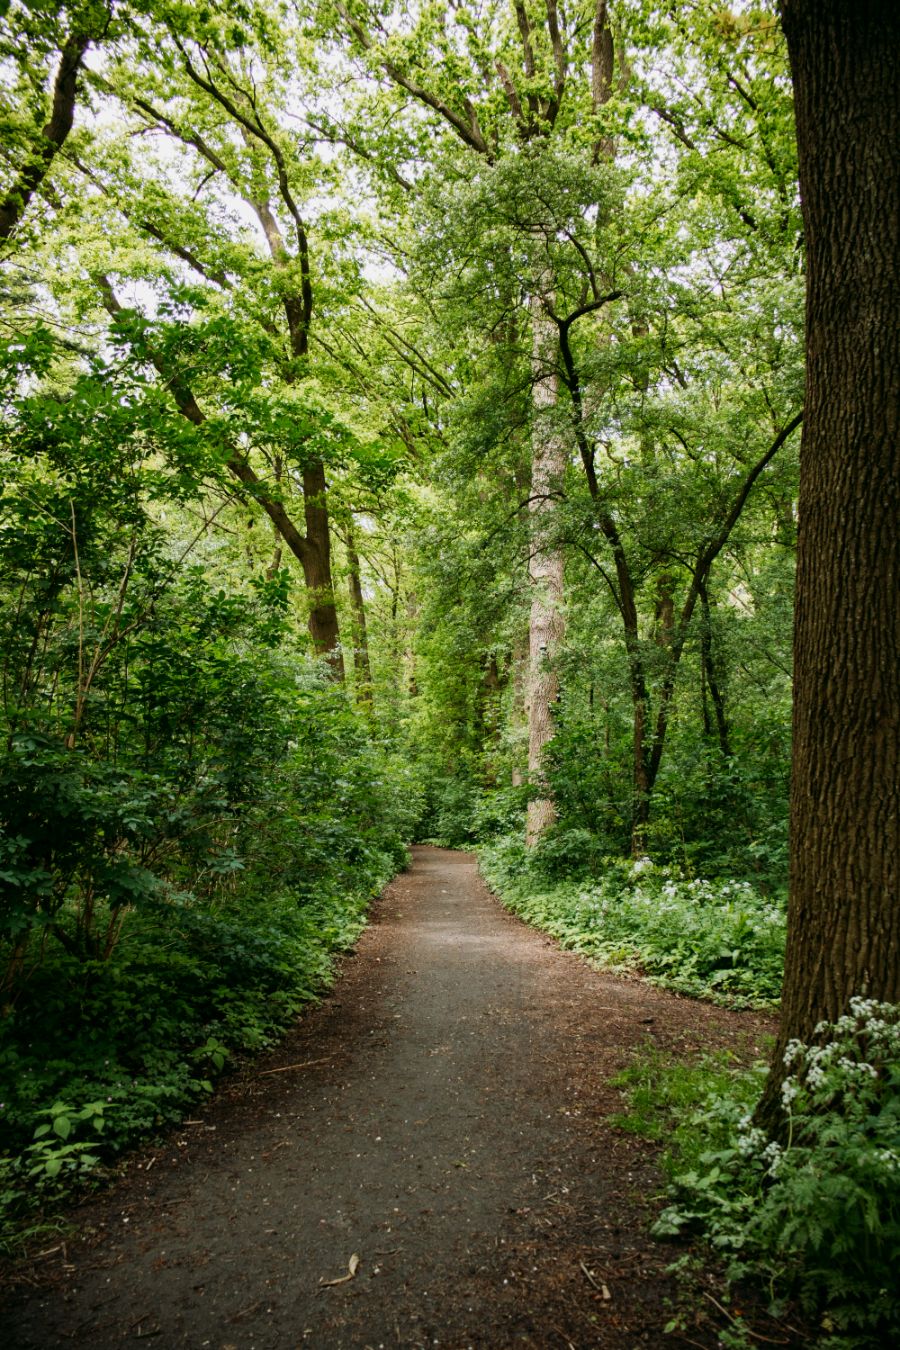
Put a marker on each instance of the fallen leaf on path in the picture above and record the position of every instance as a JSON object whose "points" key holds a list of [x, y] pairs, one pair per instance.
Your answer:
{"points": [[352, 1268]]}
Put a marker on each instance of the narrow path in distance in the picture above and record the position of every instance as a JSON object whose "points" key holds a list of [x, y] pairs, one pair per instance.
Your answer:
{"points": [[446, 1125]]}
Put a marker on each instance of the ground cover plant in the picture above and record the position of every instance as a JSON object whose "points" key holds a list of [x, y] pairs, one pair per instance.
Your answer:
{"points": [[809, 1218], [812, 1217], [99, 1054], [718, 939]]}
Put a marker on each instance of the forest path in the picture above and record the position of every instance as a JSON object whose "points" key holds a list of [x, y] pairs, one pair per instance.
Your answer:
{"points": [[448, 1128]]}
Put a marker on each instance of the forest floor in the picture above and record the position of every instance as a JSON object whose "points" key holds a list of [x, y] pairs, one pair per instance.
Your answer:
{"points": [[443, 1116]]}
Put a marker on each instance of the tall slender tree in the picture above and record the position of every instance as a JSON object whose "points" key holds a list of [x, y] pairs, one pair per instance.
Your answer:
{"points": [[518, 79]]}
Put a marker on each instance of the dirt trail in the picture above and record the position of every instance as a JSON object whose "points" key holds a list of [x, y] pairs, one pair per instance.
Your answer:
{"points": [[448, 1128]]}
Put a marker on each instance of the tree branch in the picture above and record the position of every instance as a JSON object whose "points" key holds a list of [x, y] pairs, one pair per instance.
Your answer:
{"points": [[470, 131], [62, 116], [255, 127], [591, 307], [709, 555], [189, 408], [698, 580], [512, 97]]}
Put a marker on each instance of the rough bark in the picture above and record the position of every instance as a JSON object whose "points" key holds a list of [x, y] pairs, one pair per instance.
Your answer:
{"points": [[844, 919], [546, 626], [323, 620], [62, 115]]}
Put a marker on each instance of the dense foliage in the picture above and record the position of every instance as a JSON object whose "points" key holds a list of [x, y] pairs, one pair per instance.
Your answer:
{"points": [[815, 1216], [713, 939], [193, 816], [399, 439]]}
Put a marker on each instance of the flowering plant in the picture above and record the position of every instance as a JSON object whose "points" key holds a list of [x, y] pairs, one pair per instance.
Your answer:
{"points": [[818, 1211]]}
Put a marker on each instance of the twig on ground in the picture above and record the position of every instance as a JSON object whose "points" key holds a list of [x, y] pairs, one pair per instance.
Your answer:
{"points": [[352, 1268], [757, 1336], [602, 1289], [245, 1312], [306, 1064]]}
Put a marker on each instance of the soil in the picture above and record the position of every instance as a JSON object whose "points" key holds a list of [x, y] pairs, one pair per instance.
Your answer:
{"points": [[443, 1119]]}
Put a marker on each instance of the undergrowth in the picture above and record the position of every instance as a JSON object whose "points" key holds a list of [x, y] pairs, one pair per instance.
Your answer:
{"points": [[718, 940], [97, 1055], [814, 1220]]}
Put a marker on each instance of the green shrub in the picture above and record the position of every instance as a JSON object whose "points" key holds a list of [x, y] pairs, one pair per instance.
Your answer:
{"points": [[256, 855], [713, 939], [449, 816], [816, 1216]]}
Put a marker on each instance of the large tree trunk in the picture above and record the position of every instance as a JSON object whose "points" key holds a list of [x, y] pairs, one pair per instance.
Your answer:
{"points": [[323, 621], [844, 920], [547, 627]]}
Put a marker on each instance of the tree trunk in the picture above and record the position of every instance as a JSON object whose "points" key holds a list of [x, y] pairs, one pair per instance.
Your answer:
{"points": [[409, 651], [640, 770], [844, 919], [361, 666], [547, 626], [519, 711], [710, 679], [323, 621]]}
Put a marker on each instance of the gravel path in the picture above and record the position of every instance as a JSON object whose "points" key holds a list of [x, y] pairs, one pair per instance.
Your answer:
{"points": [[445, 1126]]}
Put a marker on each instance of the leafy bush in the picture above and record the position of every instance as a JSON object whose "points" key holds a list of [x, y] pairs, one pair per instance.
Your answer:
{"points": [[449, 813], [713, 939], [499, 811], [132, 1041], [816, 1216], [458, 813], [176, 892]]}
